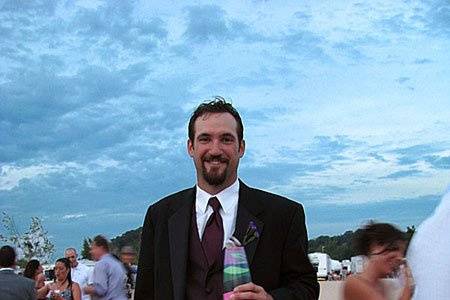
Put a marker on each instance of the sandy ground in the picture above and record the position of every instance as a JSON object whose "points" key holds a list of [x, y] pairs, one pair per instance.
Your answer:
{"points": [[332, 290], [329, 290]]}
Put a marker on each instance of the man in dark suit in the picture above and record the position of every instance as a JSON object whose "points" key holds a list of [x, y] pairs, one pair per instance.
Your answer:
{"points": [[13, 286], [181, 254]]}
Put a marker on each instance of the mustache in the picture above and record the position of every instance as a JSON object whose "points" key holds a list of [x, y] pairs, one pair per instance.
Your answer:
{"points": [[219, 158]]}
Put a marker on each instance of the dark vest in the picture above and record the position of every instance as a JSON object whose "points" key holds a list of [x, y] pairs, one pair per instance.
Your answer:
{"points": [[203, 281]]}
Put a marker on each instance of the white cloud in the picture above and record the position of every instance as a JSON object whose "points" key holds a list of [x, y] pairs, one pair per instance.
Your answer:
{"points": [[105, 163], [360, 178], [11, 176], [294, 70], [73, 216]]}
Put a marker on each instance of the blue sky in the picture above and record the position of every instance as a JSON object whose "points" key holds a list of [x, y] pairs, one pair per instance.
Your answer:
{"points": [[345, 106]]}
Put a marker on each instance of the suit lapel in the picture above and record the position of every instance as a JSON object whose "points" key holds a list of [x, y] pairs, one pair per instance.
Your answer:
{"points": [[248, 210], [178, 226]]}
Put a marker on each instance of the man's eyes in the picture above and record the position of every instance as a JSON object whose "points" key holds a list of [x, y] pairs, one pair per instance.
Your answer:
{"points": [[226, 139]]}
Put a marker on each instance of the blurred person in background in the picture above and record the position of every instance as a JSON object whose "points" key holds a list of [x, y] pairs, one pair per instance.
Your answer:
{"points": [[40, 283], [13, 286], [428, 254], [108, 278], [63, 288], [128, 257], [80, 273], [35, 271], [32, 269], [384, 246]]}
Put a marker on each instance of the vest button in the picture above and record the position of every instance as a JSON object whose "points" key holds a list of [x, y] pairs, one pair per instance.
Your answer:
{"points": [[208, 291]]}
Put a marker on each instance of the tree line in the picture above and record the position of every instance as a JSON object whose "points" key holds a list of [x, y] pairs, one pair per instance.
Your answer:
{"points": [[35, 243], [338, 247]]}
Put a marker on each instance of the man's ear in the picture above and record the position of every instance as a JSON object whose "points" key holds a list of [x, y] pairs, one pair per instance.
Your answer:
{"points": [[190, 147], [241, 148]]}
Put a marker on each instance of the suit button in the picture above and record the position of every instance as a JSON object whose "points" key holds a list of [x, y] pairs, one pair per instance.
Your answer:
{"points": [[208, 291]]}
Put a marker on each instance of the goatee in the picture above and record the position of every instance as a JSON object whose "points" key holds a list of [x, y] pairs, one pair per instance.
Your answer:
{"points": [[214, 177]]}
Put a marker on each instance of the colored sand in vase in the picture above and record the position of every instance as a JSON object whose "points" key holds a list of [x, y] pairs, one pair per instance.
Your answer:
{"points": [[236, 270]]}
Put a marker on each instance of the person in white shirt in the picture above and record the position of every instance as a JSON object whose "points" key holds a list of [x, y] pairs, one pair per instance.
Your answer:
{"points": [[428, 254], [80, 273]]}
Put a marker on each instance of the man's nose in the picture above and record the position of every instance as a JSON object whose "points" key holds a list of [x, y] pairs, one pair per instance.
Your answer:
{"points": [[216, 148]]}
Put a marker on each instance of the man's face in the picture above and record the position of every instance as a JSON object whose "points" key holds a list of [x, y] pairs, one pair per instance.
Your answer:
{"points": [[388, 257], [96, 252], [72, 256], [127, 258], [216, 150]]}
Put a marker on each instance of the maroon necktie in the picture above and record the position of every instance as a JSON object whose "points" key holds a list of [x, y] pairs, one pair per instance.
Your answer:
{"points": [[212, 240]]}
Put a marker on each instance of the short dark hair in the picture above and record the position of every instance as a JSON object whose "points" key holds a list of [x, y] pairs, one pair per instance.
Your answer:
{"points": [[31, 268], [7, 256], [377, 234], [217, 105], [101, 241]]}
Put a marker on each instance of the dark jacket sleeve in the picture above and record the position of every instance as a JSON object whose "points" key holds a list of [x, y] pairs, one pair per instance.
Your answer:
{"points": [[32, 291], [298, 277], [145, 281]]}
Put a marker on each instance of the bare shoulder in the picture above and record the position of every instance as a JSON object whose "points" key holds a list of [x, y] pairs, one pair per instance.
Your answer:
{"points": [[352, 283], [357, 289], [75, 286], [76, 291]]}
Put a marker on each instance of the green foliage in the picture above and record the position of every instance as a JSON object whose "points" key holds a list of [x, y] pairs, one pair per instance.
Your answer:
{"points": [[130, 238], [86, 249], [340, 246], [32, 244], [22, 263], [410, 230]]}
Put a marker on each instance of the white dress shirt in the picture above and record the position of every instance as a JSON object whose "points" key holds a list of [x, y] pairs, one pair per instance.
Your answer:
{"points": [[82, 275], [428, 254], [228, 199]]}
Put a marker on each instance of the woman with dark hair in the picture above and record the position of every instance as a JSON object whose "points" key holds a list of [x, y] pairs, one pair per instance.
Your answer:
{"points": [[63, 288], [384, 247], [34, 270]]}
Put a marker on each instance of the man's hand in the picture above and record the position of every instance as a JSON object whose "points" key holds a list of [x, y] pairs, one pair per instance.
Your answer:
{"points": [[90, 290], [250, 291]]}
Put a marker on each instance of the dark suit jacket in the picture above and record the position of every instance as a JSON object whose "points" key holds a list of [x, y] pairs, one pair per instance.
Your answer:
{"points": [[278, 259], [16, 287]]}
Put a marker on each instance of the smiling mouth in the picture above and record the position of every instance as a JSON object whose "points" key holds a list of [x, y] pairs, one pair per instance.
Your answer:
{"points": [[215, 162]]}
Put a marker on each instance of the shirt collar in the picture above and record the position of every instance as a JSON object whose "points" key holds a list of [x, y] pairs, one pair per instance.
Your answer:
{"points": [[7, 269], [228, 198], [104, 256]]}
